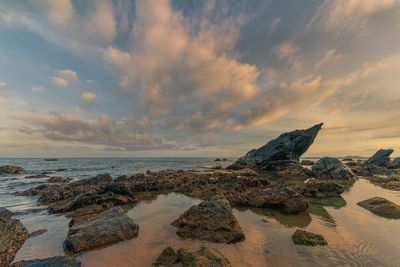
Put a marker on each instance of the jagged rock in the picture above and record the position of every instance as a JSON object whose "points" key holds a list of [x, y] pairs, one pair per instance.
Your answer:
{"points": [[381, 207], [307, 162], [395, 163], [332, 168], [106, 228], [287, 148], [380, 158], [205, 257], [211, 220], [308, 239], [318, 188], [12, 236], [167, 258], [284, 197], [59, 261], [9, 169]]}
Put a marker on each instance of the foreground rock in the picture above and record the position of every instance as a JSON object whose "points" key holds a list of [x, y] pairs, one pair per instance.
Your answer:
{"points": [[380, 158], [12, 236], [286, 149], [205, 257], [381, 207], [332, 168], [104, 229], [59, 261], [322, 188], [9, 169], [308, 239], [211, 220]]}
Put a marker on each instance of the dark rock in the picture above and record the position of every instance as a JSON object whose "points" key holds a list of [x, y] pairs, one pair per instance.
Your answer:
{"points": [[287, 147], [380, 158], [211, 220], [395, 163], [332, 168], [205, 257], [308, 239], [59, 261], [307, 162], [347, 159], [104, 229], [216, 160], [61, 170], [37, 176], [56, 179], [284, 197], [9, 169], [12, 236], [37, 233], [104, 178], [167, 258], [322, 189], [381, 207]]}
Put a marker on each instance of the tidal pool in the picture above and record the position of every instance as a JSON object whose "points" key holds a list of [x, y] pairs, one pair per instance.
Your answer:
{"points": [[355, 236]]}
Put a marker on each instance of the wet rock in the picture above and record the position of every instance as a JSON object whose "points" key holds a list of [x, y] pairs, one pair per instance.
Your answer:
{"points": [[332, 168], [12, 236], [395, 163], [37, 176], [380, 158], [61, 170], [381, 207], [318, 188], [37, 233], [308, 239], [9, 169], [56, 179], [60, 261], [167, 258], [288, 147], [286, 198], [104, 178], [211, 220], [205, 257], [307, 162], [104, 229]]}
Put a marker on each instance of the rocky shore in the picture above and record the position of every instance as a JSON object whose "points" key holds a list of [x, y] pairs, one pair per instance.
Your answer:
{"points": [[98, 219]]}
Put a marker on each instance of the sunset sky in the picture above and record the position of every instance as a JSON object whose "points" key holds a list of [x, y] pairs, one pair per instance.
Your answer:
{"points": [[197, 78]]}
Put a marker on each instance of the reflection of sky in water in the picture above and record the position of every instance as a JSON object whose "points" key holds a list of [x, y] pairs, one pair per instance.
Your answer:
{"points": [[355, 236]]}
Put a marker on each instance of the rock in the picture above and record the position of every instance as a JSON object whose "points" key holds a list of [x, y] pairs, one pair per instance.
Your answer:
{"points": [[381, 207], [211, 220], [332, 168], [288, 147], [347, 159], [104, 229], [37, 176], [322, 189], [37, 233], [12, 236], [9, 169], [59, 261], [395, 163], [167, 258], [307, 162], [61, 170], [380, 158], [104, 178], [56, 179], [205, 257], [308, 239], [286, 198], [217, 159]]}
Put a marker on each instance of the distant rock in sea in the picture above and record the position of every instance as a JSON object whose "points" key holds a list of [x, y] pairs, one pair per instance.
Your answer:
{"points": [[380, 158], [9, 169]]}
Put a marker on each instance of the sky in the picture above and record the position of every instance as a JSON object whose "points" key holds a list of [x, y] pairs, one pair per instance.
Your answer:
{"points": [[155, 78]]}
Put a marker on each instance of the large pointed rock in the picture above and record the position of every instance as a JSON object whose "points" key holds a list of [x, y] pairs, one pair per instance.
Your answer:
{"points": [[380, 158], [211, 220], [288, 147]]}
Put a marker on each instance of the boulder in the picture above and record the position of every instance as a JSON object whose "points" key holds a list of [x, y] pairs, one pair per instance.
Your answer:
{"points": [[308, 239], [381, 207], [107, 228], [167, 258], [321, 189], [288, 147], [307, 162], [395, 163], [332, 168], [9, 169], [286, 198], [380, 158], [211, 220], [205, 257], [12, 236]]}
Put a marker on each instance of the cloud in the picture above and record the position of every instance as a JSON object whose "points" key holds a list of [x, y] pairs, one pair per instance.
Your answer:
{"points": [[101, 23], [329, 56], [38, 89], [286, 49], [2, 88], [88, 97], [59, 12], [63, 78]]}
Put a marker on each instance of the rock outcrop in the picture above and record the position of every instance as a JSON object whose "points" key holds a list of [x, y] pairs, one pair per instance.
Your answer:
{"points": [[9, 169], [322, 188], [332, 168], [285, 149], [12, 236], [380, 158], [307, 162], [308, 239], [59, 261], [381, 207], [106, 228], [395, 163], [211, 220], [206, 256]]}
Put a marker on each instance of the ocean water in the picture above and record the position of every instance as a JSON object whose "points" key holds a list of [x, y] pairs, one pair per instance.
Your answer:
{"points": [[355, 236]]}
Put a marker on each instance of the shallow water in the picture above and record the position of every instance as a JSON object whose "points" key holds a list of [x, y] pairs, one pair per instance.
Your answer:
{"points": [[355, 236]]}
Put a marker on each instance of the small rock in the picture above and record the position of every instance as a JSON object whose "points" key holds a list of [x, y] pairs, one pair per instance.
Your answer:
{"points": [[37, 176], [37, 233], [305, 238], [59, 261], [395, 163], [318, 188], [205, 257], [381, 207], [332, 168], [380, 158], [9, 169], [167, 258], [56, 179], [307, 162]]}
